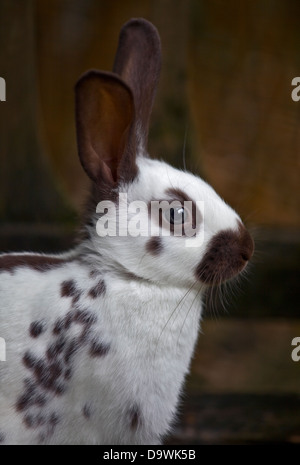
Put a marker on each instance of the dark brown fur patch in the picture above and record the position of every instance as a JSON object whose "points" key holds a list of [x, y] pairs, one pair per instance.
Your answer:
{"points": [[42, 263], [98, 349], [98, 289], [56, 347], [134, 417], [84, 317], [2, 437], [34, 420], [228, 253], [37, 328], [30, 360], [69, 289], [71, 349], [30, 396], [62, 324], [87, 411], [154, 245]]}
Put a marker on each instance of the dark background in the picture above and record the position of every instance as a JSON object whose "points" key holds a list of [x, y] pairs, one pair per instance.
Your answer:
{"points": [[224, 95]]}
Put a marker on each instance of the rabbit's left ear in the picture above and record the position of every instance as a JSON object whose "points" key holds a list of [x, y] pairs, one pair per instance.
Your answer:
{"points": [[138, 62]]}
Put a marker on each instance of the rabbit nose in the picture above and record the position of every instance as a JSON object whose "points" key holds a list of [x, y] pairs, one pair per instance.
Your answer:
{"points": [[227, 255]]}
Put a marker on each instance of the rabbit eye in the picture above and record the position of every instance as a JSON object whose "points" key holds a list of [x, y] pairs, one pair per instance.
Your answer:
{"points": [[177, 215]]}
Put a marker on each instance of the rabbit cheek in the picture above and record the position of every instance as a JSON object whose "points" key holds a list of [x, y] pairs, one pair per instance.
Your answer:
{"points": [[228, 253]]}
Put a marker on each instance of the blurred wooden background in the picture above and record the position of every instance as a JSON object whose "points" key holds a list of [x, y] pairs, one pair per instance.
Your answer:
{"points": [[224, 103]]}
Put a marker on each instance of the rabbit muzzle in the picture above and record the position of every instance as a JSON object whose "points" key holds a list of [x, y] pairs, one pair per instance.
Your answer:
{"points": [[227, 255]]}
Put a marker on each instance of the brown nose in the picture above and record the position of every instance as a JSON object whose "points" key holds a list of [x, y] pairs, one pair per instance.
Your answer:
{"points": [[227, 254]]}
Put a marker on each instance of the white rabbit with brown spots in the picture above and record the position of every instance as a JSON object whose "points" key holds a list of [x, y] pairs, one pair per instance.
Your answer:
{"points": [[99, 340]]}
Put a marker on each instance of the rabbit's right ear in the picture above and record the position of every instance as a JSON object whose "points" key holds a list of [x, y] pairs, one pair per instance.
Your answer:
{"points": [[105, 118], [138, 63]]}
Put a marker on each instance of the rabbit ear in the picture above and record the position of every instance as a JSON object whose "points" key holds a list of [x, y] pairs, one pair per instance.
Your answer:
{"points": [[104, 121], [138, 62]]}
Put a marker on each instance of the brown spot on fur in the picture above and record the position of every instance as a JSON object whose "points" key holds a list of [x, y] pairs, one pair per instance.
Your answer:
{"points": [[134, 417], [2, 437], [94, 273], [71, 350], [84, 317], [98, 290], [31, 396], [68, 289], [37, 328], [68, 373], [62, 324], [42, 263], [154, 245], [33, 421], [87, 411], [98, 349], [30, 360], [54, 419], [228, 253], [56, 347]]}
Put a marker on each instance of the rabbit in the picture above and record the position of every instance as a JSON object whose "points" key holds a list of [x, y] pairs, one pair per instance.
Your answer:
{"points": [[99, 339]]}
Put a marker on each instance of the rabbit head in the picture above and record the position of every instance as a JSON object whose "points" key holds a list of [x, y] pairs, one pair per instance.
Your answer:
{"points": [[146, 217]]}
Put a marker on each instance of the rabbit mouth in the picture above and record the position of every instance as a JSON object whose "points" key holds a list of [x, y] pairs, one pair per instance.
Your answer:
{"points": [[228, 254]]}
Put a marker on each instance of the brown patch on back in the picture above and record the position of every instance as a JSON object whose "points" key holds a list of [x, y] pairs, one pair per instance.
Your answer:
{"points": [[37, 328], [154, 245], [228, 253], [42, 263], [98, 289]]}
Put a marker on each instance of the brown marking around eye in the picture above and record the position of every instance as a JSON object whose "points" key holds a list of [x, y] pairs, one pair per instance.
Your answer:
{"points": [[177, 199], [180, 195]]}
